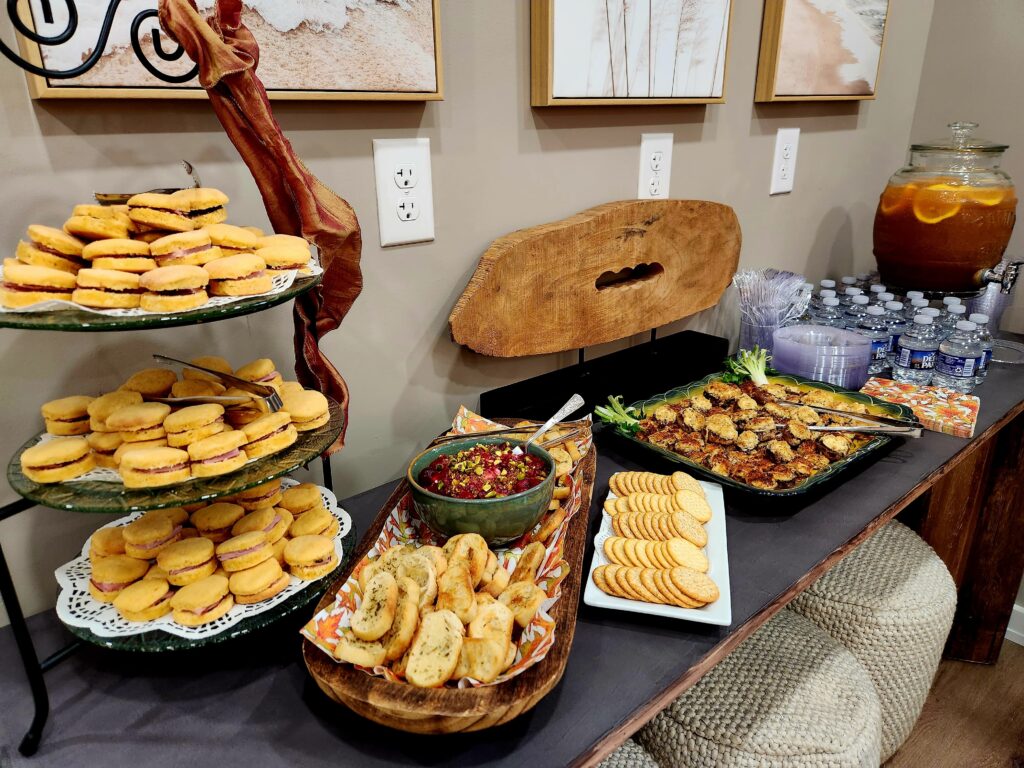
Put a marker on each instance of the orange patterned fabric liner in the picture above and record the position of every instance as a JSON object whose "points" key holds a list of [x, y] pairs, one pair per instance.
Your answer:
{"points": [[404, 527], [939, 409]]}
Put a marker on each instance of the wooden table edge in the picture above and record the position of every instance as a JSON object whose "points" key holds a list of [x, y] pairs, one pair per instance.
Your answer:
{"points": [[614, 738]]}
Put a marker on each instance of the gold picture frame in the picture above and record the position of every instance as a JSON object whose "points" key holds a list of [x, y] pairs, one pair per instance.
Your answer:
{"points": [[791, 75], [543, 57], [43, 88]]}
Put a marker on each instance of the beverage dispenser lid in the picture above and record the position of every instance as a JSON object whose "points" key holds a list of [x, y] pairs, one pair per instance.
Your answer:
{"points": [[960, 140]]}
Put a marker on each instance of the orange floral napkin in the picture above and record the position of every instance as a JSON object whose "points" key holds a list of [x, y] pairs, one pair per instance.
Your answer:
{"points": [[937, 408]]}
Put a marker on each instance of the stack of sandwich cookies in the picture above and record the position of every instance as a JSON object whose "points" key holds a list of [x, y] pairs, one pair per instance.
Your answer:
{"points": [[216, 521], [174, 289], [104, 406], [146, 537], [151, 382], [54, 461], [25, 284], [218, 454], [51, 248], [184, 248], [121, 254], [244, 274], [269, 434], [310, 557], [104, 446], [107, 289], [308, 409], [188, 561], [112, 574], [67, 416], [194, 423], [154, 467], [202, 601], [232, 240]]}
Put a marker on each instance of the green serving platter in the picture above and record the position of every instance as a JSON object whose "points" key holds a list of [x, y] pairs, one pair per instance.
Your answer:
{"points": [[875, 406]]}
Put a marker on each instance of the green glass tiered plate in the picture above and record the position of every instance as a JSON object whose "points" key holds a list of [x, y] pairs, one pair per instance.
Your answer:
{"points": [[79, 320], [93, 496], [157, 641]]}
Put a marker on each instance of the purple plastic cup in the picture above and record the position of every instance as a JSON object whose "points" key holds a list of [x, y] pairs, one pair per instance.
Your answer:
{"points": [[822, 353]]}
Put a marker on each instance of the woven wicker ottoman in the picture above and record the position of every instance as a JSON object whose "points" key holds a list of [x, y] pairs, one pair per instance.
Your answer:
{"points": [[629, 755], [788, 697], [891, 603]]}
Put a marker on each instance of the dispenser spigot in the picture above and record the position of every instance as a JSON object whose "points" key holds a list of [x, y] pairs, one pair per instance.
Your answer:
{"points": [[1005, 274]]}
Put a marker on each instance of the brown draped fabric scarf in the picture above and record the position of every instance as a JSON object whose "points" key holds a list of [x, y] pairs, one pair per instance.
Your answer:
{"points": [[296, 201]]}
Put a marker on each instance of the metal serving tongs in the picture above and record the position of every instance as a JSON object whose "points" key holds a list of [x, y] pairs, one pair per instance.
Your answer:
{"points": [[268, 396], [876, 425], [120, 198]]}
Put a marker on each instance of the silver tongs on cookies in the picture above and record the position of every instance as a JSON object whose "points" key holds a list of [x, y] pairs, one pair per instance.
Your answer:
{"points": [[259, 393]]}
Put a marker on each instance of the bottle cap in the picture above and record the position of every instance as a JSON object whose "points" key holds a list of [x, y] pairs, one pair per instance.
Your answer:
{"points": [[930, 311], [878, 288], [849, 280], [827, 294], [876, 310], [830, 302], [853, 291], [915, 295], [966, 325], [978, 317], [897, 305], [923, 319], [957, 309], [827, 283], [863, 277], [861, 300], [809, 287], [950, 300], [885, 296]]}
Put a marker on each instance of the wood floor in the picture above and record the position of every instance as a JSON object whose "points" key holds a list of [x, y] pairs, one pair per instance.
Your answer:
{"points": [[974, 717]]}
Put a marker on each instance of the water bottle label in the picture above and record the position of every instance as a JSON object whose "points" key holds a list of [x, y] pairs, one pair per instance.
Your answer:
{"points": [[879, 349], [916, 358], [954, 365]]}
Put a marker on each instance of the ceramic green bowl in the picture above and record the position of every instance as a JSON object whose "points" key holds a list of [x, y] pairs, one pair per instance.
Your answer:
{"points": [[499, 520]]}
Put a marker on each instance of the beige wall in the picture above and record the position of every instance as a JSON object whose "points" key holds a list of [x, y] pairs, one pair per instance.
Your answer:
{"points": [[972, 72], [498, 165]]}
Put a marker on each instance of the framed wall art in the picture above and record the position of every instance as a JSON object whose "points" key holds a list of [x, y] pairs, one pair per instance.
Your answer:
{"points": [[309, 49], [616, 52], [820, 50]]}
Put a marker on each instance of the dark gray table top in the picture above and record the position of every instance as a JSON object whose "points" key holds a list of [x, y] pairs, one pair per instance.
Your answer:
{"points": [[253, 704]]}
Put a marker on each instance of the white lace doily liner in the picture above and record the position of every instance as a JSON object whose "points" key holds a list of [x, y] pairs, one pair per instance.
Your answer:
{"points": [[75, 606], [106, 474], [282, 281]]}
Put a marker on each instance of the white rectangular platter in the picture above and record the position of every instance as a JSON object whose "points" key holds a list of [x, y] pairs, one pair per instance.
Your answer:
{"points": [[718, 612]]}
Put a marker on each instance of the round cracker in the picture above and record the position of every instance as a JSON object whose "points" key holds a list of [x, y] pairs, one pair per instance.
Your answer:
{"points": [[686, 553], [689, 529], [694, 584], [694, 504]]}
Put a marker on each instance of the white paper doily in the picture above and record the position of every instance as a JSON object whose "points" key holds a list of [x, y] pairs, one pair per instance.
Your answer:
{"points": [[282, 281], [75, 606]]}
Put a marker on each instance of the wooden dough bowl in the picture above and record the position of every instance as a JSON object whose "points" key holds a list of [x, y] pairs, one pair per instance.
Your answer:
{"points": [[604, 274], [451, 710]]}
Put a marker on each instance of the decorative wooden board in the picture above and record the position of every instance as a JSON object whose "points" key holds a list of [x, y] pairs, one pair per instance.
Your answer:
{"points": [[606, 273], [452, 710]]}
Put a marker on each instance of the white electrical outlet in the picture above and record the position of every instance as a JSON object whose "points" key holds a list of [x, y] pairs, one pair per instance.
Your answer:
{"points": [[655, 165], [787, 140], [405, 199]]}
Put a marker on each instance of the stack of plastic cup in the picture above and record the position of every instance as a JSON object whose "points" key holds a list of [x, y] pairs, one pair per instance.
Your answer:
{"points": [[822, 353]]}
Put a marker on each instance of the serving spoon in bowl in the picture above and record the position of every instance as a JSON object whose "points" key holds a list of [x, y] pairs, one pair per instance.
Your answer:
{"points": [[574, 404]]}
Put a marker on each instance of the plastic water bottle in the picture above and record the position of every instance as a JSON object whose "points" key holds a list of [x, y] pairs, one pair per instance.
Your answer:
{"points": [[959, 357], [949, 301], [882, 298], [855, 312], [916, 305], [831, 314], [863, 280], [932, 312], [915, 353], [897, 325], [953, 315], [848, 281], [874, 327], [846, 299], [985, 339], [824, 293], [911, 295], [876, 289]]}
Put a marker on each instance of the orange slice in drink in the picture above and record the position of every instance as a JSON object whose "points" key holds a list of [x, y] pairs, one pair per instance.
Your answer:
{"points": [[937, 203], [987, 195], [895, 198]]}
